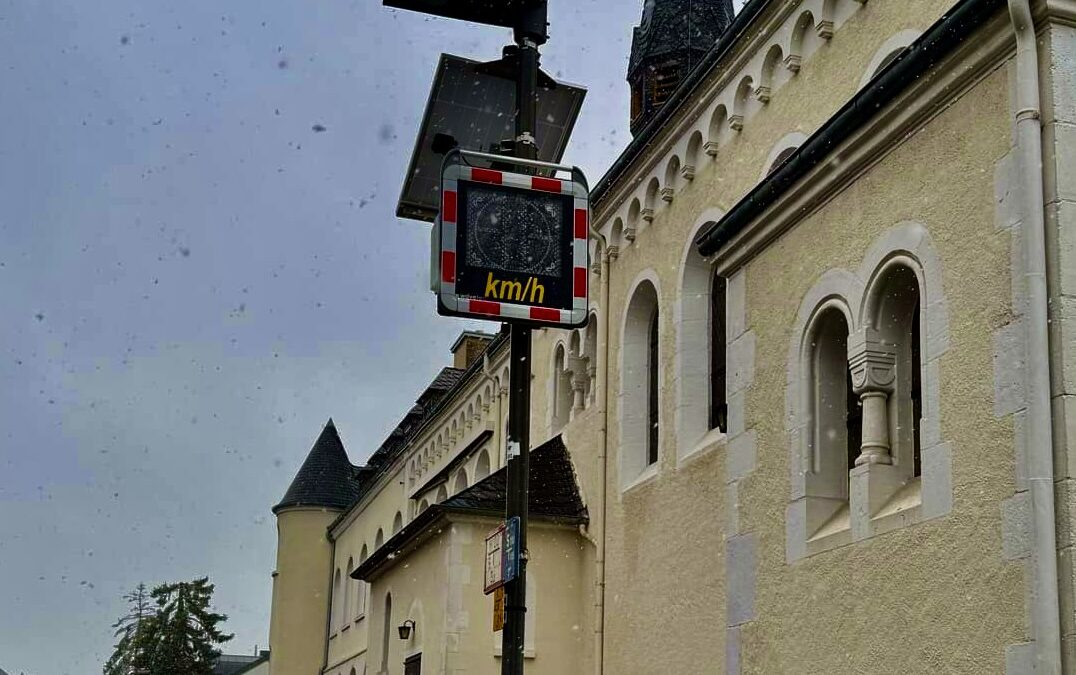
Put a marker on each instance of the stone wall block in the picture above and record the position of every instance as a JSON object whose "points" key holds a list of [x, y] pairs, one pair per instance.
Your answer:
{"points": [[732, 494], [1020, 449], [742, 456], [937, 481], [1019, 659], [1059, 167], [1010, 390], [1066, 580], [736, 413], [1065, 502], [797, 469], [732, 650], [1061, 246], [741, 363], [736, 304], [741, 570], [1063, 344], [930, 424], [1017, 267], [796, 530], [1061, 82], [1016, 527], [1005, 189], [937, 329]]}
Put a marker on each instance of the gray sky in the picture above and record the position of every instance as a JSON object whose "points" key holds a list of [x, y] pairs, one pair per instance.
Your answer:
{"points": [[192, 280]]}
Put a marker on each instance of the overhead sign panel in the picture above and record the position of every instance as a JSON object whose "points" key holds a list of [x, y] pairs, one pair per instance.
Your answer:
{"points": [[490, 12], [476, 107], [512, 247]]}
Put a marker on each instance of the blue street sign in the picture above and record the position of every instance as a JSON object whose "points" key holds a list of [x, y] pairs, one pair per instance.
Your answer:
{"points": [[510, 555]]}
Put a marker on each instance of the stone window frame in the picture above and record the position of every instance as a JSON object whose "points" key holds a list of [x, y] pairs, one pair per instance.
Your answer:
{"points": [[878, 503], [632, 402], [694, 436]]}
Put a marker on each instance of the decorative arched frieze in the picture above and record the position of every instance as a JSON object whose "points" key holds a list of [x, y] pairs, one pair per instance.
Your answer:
{"points": [[692, 156], [718, 122], [743, 97], [650, 201], [887, 53], [672, 175]]}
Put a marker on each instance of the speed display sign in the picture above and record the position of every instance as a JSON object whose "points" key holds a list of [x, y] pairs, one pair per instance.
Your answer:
{"points": [[511, 246]]}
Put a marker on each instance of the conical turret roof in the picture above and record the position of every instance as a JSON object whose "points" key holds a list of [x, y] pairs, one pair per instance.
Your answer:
{"points": [[326, 478]]}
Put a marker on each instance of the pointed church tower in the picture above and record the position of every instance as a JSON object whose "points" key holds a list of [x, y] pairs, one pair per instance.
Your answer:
{"points": [[302, 582], [669, 42]]}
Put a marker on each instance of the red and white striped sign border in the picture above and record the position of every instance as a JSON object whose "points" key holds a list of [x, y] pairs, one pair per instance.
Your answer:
{"points": [[450, 178]]}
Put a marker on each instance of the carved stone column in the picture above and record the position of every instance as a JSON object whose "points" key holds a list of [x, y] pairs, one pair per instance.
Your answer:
{"points": [[873, 367]]}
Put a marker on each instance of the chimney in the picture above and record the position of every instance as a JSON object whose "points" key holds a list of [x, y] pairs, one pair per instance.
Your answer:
{"points": [[468, 348]]}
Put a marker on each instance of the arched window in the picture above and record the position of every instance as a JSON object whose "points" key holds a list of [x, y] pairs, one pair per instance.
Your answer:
{"points": [[834, 420], [334, 613], [386, 634], [379, 540], [347, 582], [442, 493], [397, 523], [719, 406], [481, 469], [561, 394], [422, 506], [780, 159], [896, 316], [639, 386], [461, 480], [361, 588], [652, 417]]}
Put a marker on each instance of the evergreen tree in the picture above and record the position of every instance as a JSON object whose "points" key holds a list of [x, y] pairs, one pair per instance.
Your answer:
{"points": [[133, 630], [183, 635]]}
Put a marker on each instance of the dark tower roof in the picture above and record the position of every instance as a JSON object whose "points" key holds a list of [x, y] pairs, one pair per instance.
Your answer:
{"points": [[670, 40], [326, 478]]}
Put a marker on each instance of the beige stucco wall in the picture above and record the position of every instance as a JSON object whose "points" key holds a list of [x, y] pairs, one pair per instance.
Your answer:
{"points": [[298, 623], [837, 611], [439, 586]]}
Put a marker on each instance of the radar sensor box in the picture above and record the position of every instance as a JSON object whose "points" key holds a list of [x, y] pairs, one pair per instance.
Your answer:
{"points": [[511, 246]]}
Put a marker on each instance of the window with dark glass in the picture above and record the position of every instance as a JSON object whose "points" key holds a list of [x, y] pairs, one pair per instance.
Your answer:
{"points": [[719, 409], [652, 393]]}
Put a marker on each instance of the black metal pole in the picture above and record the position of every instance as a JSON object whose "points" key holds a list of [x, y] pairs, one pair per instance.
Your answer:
{"points": [[529, 34]]}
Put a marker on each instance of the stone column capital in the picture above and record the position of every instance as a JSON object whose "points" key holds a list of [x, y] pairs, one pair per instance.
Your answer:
{"points": [[871, 361]]}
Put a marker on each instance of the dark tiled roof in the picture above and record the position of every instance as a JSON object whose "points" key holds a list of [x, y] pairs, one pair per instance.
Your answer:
{"points": [[554, 492], [554, 496], [446, 379], [326, 477], [676, 26]]}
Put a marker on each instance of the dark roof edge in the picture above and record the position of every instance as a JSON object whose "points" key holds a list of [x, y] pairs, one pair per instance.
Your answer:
{"points": [[728, 39], [253, 664], [418, 530], [500, 340], [934, 45]]}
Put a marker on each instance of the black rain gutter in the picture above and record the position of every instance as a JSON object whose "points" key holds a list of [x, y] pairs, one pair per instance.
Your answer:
{"points": [[932, 47], [728, 39]]}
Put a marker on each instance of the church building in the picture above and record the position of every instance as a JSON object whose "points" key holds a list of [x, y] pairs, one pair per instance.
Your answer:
{"points": [[822, 418]]}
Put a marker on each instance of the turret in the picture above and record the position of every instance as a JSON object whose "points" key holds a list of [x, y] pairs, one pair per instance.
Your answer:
{"points": [[668, 43], [302, 584]]}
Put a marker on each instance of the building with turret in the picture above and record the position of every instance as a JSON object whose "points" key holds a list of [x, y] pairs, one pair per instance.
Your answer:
{"points": [[823, 416]]}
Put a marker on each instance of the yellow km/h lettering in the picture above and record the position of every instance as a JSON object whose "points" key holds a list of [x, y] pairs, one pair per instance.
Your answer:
{"points": [[499, 289]]}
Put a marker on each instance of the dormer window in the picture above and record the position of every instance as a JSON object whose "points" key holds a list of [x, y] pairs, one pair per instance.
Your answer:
{"points": [[665, 80]]}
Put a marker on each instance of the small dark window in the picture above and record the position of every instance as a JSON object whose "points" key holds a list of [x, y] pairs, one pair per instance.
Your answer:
{"points": [[413, 665], [652, 393], [719, 409], [916, 393], [854, 421], [666, 78]]}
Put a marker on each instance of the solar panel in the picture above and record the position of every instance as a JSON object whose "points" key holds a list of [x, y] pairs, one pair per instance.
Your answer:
{"points": [[478, 110]]}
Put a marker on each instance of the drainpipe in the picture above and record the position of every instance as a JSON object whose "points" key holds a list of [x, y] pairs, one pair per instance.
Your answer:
{"points": [[602, 399], [1045, 613]]}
